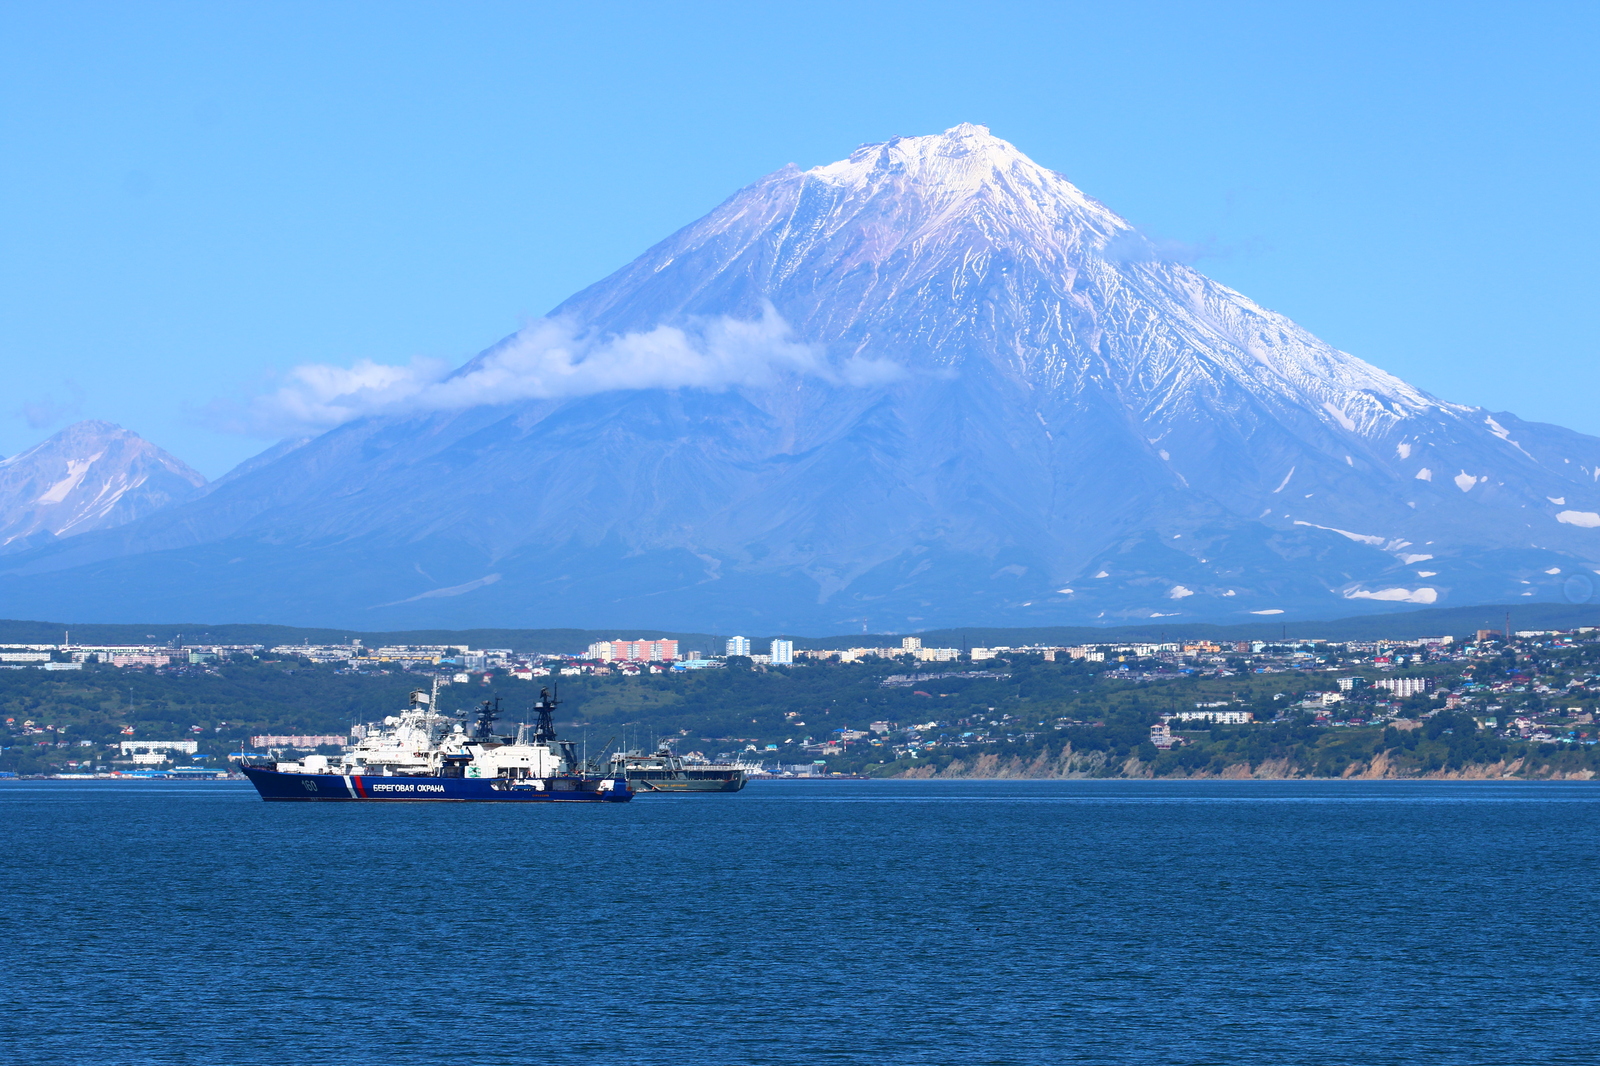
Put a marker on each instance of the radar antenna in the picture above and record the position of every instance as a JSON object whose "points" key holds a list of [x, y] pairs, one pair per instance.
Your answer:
{"points": [[487, 713], [545, 729]]}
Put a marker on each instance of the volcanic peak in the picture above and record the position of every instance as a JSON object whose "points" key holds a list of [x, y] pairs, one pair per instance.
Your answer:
{"points": [[91, 475], [964, 167]]}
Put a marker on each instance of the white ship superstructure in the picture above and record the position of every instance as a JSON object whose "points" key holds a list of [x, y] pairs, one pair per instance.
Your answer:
{"points": [[422, 742]]}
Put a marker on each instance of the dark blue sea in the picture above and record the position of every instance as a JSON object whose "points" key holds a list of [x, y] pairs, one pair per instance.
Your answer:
{"points": [[841, 922]]}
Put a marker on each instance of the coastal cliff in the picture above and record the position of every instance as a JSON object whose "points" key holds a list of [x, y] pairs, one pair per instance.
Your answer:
{"points": [[1067, 763]]}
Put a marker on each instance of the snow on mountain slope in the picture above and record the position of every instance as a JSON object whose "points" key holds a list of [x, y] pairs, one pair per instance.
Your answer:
{"points": [[956, 253], [91, 475], [1056, 423]]}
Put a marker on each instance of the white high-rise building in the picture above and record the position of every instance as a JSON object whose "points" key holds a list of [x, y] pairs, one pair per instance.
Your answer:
{"points": [[782, 653], [738, 645]]}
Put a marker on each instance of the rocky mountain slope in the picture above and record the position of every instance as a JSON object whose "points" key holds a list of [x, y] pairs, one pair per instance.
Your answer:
{"points": [[931, 384], [91, 475]]}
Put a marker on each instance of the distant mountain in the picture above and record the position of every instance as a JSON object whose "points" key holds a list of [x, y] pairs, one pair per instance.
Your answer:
{"points": [[932, 384], [90, 476]]}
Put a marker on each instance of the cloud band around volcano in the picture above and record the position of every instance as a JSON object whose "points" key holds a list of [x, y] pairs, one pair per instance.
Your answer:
{"points": [[551, 359]]}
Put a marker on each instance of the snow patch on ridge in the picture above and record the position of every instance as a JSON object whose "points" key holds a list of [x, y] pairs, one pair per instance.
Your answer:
{"points": [[453, 590], [1343, 419], [1363, 538], [76, 469], [1500, 431], [1421, 595]]}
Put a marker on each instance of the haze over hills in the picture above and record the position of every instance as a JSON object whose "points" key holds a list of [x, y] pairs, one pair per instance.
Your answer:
{"points": [[933, 384], [1459, 622]]}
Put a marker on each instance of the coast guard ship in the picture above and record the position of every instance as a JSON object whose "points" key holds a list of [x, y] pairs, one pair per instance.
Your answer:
{"points": [[421, 754]]}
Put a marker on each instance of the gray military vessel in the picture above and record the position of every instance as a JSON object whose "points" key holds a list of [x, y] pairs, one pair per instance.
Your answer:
{"points": [[664, 770]]}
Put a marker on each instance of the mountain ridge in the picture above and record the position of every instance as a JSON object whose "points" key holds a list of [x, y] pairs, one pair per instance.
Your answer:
{"points": [[991, 402], [89, 476]]}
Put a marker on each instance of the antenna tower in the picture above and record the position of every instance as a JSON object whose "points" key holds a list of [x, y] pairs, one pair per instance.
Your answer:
{"points": [[544, 729]]}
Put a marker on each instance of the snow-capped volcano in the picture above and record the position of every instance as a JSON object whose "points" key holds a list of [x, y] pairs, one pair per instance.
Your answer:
{"points": [[91, 475], [933, 383], [942, 251]]}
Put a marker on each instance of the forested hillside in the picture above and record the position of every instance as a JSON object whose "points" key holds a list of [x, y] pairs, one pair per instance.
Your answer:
{"points": [[1524, 710]]}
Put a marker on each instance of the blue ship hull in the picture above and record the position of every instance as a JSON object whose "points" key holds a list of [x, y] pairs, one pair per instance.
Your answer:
{"points": [[274, 785]]}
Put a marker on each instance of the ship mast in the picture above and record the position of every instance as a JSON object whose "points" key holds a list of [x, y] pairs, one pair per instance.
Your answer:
{"points": [[544, 730], [487, 713]]}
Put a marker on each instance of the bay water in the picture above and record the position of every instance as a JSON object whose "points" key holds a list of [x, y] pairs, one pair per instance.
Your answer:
{"points": [[964, 922]]}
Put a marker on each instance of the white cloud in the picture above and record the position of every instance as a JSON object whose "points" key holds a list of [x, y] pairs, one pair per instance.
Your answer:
{"points": [[1178, 592], [1270, 610], [552, 359], [1586, 519]]}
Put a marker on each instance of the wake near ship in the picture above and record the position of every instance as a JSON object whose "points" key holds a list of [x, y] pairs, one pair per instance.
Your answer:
{"points": [[422, 754]]}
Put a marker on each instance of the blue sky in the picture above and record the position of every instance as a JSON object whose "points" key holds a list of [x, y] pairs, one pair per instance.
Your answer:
{"points": [[196, 197]]}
